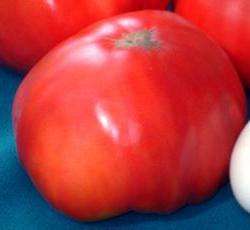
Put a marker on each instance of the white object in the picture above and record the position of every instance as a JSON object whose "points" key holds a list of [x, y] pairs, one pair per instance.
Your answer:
{"points": [[240, 169]]}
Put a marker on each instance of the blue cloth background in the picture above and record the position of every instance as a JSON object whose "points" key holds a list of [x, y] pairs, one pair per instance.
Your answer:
{"points": [[22, 208]]}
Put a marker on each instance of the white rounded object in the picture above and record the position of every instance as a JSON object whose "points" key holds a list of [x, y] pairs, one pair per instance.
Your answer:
{"points": [[240, 169]]}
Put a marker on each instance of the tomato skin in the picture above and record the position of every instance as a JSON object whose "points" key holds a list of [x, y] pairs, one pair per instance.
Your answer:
{"points": [[228, 23], [30, 28], [103, 127]]}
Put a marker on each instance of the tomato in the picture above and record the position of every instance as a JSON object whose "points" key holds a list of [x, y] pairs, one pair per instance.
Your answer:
{"points": [[138, 112], [228, 23], [30, 28]]}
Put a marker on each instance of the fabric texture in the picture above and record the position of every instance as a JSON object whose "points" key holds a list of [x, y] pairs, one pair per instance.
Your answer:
{"points": [[22, 207]]}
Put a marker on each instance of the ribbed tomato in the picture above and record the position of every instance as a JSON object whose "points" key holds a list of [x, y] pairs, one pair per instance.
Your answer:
{"points": [[138, 112]]}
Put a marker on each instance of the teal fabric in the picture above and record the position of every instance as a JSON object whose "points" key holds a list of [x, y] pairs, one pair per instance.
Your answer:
{"points": [[22, 208]]}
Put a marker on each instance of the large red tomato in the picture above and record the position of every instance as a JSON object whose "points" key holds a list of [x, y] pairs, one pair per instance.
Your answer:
{"points": [[228, 22], [139, 112], [30, 28]]}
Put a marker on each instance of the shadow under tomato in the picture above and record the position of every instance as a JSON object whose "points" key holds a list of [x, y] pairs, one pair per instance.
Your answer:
{"points": [[190, 211]]}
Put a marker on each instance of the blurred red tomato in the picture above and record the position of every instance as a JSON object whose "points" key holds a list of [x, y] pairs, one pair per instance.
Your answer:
{"points": [[228, 22], [30, 28], [138, 112]]}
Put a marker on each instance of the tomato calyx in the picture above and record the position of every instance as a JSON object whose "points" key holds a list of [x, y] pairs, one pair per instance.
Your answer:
{"points": [[142, 38]]}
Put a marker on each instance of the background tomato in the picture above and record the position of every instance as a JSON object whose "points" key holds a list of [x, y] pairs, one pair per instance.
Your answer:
{"points": [[138, 112], [30, 28], [228, 22]]}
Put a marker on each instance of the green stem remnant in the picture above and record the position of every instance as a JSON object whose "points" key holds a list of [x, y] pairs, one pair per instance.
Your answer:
{"points": [[143, 38]]}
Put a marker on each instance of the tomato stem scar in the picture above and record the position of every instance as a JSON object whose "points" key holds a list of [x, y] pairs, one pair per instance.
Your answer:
{"points": [[143, 38]]}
